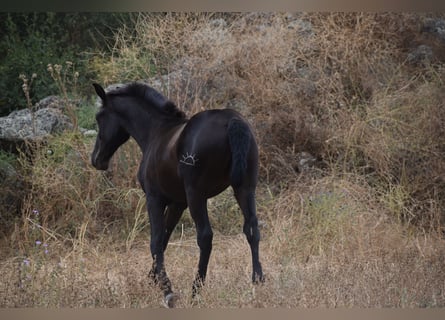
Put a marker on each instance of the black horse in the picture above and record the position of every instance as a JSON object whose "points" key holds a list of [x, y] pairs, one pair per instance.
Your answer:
{"points": [[184, 162]]}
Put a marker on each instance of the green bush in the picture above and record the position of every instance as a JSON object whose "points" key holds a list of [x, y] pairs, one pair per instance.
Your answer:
{"points": [[86, 116], [31, 41]]}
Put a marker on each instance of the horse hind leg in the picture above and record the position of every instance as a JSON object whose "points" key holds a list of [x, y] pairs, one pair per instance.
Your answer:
{"points": [[198, 209], [246, 200]]}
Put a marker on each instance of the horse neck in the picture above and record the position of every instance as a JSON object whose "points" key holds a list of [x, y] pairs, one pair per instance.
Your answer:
{"points": [[144, 125]]}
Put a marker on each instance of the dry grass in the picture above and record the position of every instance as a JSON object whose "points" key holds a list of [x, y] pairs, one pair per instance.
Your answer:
{"points": [[350, 256], [363, 228]]}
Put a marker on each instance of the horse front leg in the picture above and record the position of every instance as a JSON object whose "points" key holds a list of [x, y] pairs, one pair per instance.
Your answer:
{"points": [[156, 210], [172, 216]]}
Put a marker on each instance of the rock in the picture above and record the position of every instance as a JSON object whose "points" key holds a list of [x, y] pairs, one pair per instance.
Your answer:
{"points": [[305, 161], [22, 125], [167, 83], [421, 54], [237, 104], [435, 27], [114, 86], [50, 102], [89, 133], [218, 23], [26, 125], [428, 47], [303, 27]]}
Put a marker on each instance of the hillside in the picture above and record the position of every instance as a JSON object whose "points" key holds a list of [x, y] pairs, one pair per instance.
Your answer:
{"points": [[349, 114]]}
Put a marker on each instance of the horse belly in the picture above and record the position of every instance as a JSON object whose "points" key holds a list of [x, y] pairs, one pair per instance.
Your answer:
{"points": [[172, 187]]}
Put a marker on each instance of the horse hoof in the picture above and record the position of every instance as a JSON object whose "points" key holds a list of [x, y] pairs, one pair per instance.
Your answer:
{"points": [[259, 279], [170, 300]]}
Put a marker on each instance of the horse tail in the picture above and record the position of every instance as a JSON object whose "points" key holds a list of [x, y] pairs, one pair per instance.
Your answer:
{"points": [[240, 138]]}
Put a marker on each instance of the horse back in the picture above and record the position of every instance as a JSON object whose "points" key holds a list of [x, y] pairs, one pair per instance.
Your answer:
{"points": [[196, 154]]}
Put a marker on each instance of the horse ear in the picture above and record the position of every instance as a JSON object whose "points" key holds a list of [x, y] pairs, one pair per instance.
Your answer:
{"points": [[100, 91]]}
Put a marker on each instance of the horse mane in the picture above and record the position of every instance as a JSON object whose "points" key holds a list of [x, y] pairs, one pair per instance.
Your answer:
{"points": [[151, 96]]}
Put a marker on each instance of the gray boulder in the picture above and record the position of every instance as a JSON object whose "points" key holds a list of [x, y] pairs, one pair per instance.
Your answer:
{"points": [[435, 27], [45, 119], [23, 124], [422, 54], [305, 161]]}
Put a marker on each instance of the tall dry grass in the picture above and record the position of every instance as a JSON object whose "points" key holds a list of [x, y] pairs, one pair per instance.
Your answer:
{"points": [[362, 227], [329, 244], [337, 85]]}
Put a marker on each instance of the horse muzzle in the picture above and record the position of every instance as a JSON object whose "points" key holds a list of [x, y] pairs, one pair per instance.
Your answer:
{"points": [[98, 163]]}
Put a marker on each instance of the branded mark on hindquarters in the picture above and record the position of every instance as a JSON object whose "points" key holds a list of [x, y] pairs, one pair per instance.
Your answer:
{"points": [[189, 159]]}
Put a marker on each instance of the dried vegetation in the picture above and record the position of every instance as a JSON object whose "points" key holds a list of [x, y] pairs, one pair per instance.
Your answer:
{"points": [[361, 227]]}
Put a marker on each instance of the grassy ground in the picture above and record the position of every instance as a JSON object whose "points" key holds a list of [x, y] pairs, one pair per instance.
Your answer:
{"points": [[334, 253], [362, 228], [325, 242]]}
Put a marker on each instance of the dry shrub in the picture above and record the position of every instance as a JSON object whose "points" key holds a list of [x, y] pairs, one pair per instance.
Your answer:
{"points": [[69, 201], [333, 243], [237, 63], [397, 143], [337, 85], [12, 191]]}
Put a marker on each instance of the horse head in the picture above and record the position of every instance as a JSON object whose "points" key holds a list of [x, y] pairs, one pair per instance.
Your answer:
{"points": [[111, 134]]}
